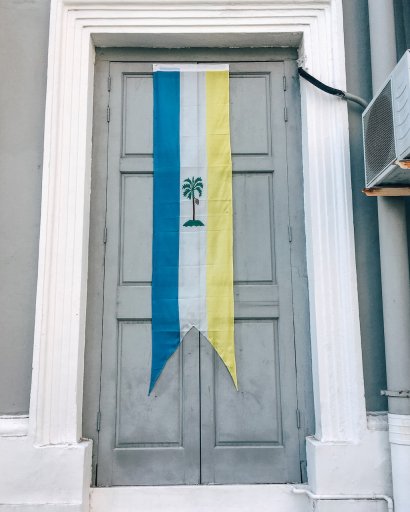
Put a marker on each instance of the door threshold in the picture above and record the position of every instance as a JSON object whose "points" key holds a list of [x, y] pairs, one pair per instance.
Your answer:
{"points": [[197, 498]]}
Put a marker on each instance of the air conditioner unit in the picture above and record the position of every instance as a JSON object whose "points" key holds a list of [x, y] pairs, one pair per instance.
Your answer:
{"points": [[386, 130]]}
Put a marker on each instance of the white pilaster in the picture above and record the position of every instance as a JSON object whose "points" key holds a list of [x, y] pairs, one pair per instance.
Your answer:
{"points": [[399, 436]]}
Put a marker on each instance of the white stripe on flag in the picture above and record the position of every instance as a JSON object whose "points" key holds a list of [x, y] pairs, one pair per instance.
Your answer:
{"points": [[198, 68], [192, 240], [203, 171]]}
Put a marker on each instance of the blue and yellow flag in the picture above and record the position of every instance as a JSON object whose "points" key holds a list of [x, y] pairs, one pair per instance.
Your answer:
{"points": [[192, 274]]}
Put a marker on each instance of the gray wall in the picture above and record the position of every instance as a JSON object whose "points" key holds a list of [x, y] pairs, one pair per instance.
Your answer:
{"points": [[358, 69], [23, 57], [23, 50], [402, 18]]}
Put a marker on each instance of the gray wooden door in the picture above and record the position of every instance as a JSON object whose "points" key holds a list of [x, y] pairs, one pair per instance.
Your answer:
{"points": [[195, 427]]}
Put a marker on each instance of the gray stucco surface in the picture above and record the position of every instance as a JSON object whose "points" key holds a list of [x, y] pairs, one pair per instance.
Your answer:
{"points": [[23, 58], [402, 18], [359, 82]]}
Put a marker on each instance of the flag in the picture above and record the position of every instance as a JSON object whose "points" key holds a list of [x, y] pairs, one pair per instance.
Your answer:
{"points": [[192, 250]]}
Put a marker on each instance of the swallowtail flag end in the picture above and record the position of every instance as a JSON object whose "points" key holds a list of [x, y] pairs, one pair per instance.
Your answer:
{"points": [[192, 252]]}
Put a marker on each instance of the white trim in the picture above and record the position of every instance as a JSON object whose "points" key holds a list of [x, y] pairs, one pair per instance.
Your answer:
{"points": [[13, 426], [55, 414], [197, 68], [346, 497], [399, 429], [215, 498]]}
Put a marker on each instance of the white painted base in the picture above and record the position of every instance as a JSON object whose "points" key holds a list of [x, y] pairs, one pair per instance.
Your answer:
{"points": [[13, 426], [56, 478], [222, 498], [401, 470], [351, 506], [399, 435], [350, 468], [53, 478], [207, 498], [41, 507]]}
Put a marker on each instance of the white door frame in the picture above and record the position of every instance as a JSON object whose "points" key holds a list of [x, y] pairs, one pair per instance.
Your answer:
{"points": [[76, 26]]}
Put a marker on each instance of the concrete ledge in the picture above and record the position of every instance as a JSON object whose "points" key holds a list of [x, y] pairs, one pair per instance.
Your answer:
{"points": [[351, 506], [40, 507], [399, 429], [52, 478], [377, 421], [13, 426], [200, 498], [350, 468]]}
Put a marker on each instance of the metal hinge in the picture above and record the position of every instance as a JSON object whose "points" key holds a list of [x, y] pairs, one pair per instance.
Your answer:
{"points": [[285, 114], [105, 235], [298, 418], [109, 83], [108, 114], [303, 471], [284, 83], [290, 233], [396, 394], [98, 421]]}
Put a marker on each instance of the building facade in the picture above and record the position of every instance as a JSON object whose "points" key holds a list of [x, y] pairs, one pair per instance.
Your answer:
{"points": [[316, 246]]}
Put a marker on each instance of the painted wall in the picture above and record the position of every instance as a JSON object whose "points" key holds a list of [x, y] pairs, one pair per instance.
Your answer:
{"points": [[359, 81], [23, 58], [23, 51], [402, 17]]}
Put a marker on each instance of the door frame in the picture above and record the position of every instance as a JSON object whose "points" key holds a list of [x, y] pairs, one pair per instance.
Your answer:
{"points": [[105, 57], [316, 29]]}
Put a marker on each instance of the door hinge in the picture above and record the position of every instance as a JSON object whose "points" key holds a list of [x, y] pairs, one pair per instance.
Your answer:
{"points": [[285, 114], [284, 83], [289, 233], [108, 114], [105, 235], [303, 471], [298, 418], [109, 83], [98, 421]]}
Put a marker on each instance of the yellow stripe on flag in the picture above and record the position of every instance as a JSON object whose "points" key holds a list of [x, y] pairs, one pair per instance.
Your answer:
{"points": [[219, 278]]}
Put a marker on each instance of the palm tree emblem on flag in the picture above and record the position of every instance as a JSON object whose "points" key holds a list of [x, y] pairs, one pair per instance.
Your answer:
{"points": [[189, 189]]}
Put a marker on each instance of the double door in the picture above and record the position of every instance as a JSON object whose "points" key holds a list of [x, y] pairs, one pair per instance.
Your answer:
{"points": [[194, 427]]}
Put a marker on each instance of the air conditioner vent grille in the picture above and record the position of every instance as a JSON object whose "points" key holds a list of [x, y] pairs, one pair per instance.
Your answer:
{"points": [[379, 135]]}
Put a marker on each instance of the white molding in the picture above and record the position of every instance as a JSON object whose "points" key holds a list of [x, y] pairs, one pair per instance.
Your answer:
{"points": [[56, 408], [399, 429], [13, 425]]}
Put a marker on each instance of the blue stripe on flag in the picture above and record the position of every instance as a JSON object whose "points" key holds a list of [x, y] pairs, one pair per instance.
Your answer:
{"points": [[165, 245]]}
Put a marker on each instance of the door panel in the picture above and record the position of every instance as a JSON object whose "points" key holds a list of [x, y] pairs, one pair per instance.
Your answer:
{"points": [[250, 436], [251, 416], [143, 439], [136, 216], [250, 119], [254, 258], [195, 427]]}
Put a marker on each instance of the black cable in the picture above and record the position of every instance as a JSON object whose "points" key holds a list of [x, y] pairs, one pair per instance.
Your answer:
{"points": [[320, 85], [331, 90]]}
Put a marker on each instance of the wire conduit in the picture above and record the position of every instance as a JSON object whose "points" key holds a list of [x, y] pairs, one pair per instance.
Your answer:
{"points": [[341, 497]]}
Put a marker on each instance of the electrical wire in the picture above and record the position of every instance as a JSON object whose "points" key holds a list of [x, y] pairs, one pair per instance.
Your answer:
{"points": [[331, 90]]}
